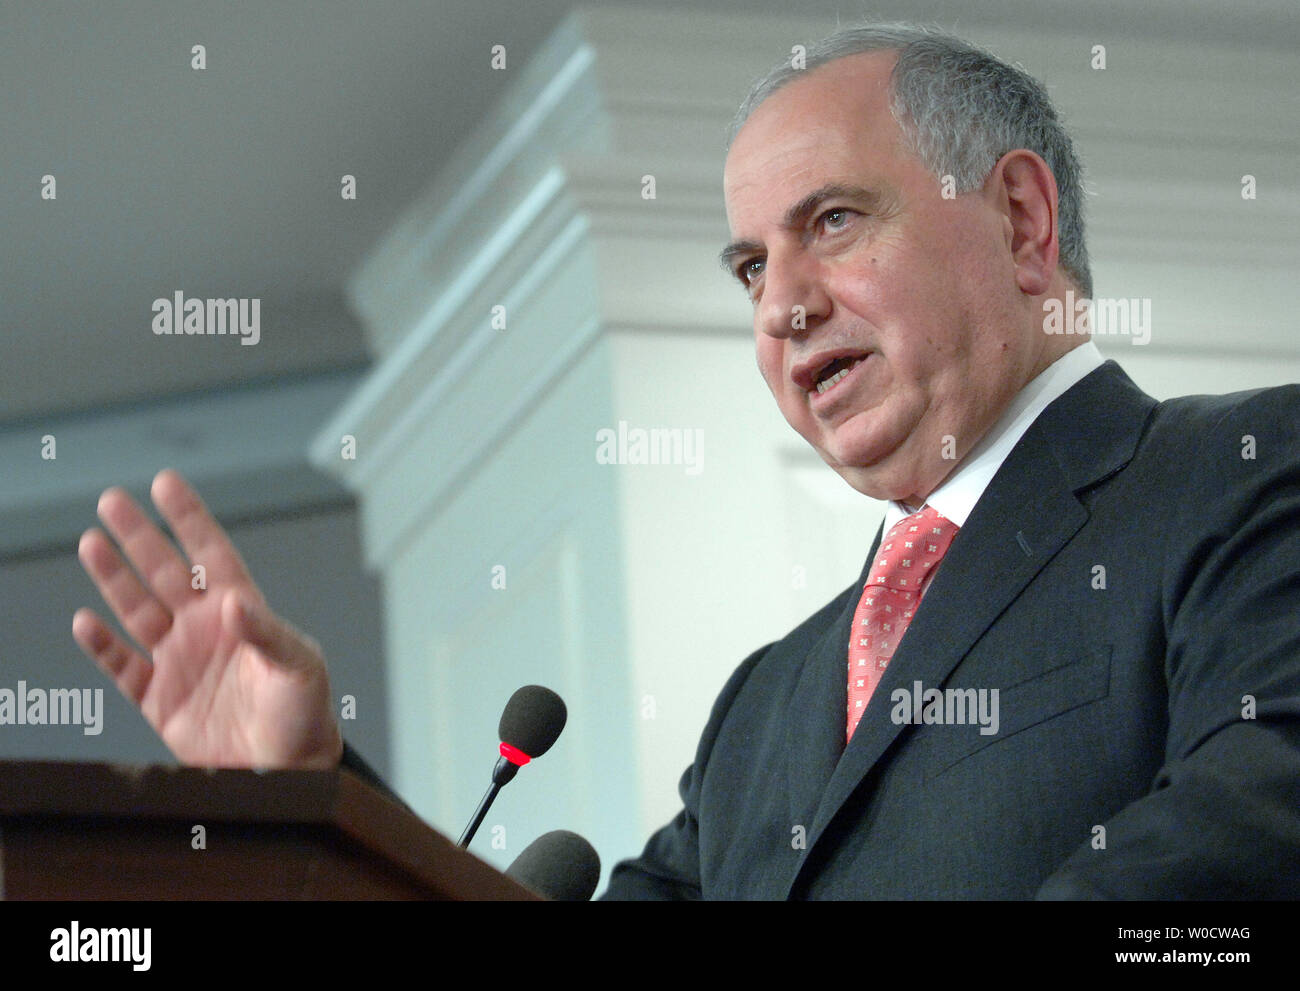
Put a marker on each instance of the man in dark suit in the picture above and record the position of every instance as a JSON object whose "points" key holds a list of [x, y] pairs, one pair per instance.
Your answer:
{"points": [[1099, 693], [1090, 686], [1148, 739]]}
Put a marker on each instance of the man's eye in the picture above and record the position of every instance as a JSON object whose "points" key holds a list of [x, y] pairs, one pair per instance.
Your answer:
{"points": [[748, 271], [835, 219]]}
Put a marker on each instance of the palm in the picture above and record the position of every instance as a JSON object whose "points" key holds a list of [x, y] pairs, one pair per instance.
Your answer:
{"points": [[208, 690], [222, 690]]}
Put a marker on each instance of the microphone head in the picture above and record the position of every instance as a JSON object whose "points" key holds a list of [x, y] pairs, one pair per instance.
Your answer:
{"points": [[532, 720], [559, 865]]}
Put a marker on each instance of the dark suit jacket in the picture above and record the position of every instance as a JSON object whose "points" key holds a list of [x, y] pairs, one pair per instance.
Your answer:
{"points": [[1126, 763]]}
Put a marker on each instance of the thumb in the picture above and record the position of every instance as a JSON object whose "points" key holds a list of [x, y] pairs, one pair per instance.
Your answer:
{"points": [[251, 620]]}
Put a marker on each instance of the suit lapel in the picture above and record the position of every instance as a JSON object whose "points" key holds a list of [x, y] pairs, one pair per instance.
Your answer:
{"points": [[1028, 513]]}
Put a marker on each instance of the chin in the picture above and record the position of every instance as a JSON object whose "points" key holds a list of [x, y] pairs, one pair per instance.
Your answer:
{"points": [[867, 482], [856, 471]]}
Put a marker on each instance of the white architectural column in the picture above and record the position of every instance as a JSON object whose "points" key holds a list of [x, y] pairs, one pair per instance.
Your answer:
{"points": [[538, 295]]}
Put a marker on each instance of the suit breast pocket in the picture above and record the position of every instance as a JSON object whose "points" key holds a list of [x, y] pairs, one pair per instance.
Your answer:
{"points": [[1023, 706]]}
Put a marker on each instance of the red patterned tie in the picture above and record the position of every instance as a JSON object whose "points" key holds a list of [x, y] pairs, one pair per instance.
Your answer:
{"points": [[899, 576]]}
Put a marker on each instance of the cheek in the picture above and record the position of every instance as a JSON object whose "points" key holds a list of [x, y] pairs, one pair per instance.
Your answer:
{"points": [[768, 353]]}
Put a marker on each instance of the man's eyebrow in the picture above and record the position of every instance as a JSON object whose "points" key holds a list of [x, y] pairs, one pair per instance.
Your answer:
{"points": [[728, 255], [797, 216]]}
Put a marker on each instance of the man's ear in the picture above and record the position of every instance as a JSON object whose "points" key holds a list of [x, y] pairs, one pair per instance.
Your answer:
{"points": [[1022, 187]]}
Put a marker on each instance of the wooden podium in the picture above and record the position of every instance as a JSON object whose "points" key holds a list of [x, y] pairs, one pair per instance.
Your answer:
{"points": [[86, 832]]}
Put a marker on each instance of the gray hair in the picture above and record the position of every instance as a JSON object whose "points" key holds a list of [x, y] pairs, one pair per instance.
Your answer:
{"points": [[961, 109]]}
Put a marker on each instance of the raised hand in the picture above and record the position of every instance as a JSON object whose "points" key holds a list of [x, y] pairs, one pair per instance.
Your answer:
{"points": [[230, 683]]}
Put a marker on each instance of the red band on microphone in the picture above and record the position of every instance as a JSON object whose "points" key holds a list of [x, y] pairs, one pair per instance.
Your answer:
{"points": [[514, 755]]}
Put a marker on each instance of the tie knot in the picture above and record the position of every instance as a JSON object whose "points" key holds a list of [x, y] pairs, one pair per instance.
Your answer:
{"points": [[911, 550]]}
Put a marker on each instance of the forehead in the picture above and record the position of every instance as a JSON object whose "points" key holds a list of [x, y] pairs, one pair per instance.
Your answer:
{"points": [[833, 125]]}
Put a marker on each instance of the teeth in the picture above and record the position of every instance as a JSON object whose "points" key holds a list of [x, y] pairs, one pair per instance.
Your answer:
{"points": [[825, 384]]}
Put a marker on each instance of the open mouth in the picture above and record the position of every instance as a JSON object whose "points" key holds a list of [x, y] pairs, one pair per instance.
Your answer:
{"points": [[836, 370]]}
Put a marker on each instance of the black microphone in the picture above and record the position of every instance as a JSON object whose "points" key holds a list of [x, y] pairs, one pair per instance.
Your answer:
{"points": [[530, 724], [559, 865]]}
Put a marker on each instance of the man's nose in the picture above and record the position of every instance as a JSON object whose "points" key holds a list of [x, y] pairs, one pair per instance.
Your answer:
{"points": [[794, 299]]}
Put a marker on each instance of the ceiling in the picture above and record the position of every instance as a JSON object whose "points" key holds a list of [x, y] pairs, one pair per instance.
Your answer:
{"points": [[225, 182]]}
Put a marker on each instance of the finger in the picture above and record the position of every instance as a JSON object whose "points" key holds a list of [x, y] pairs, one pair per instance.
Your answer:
{"points": [[136, 608], [150, 553], [129, 671], [250, 619], [201, 536]]}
